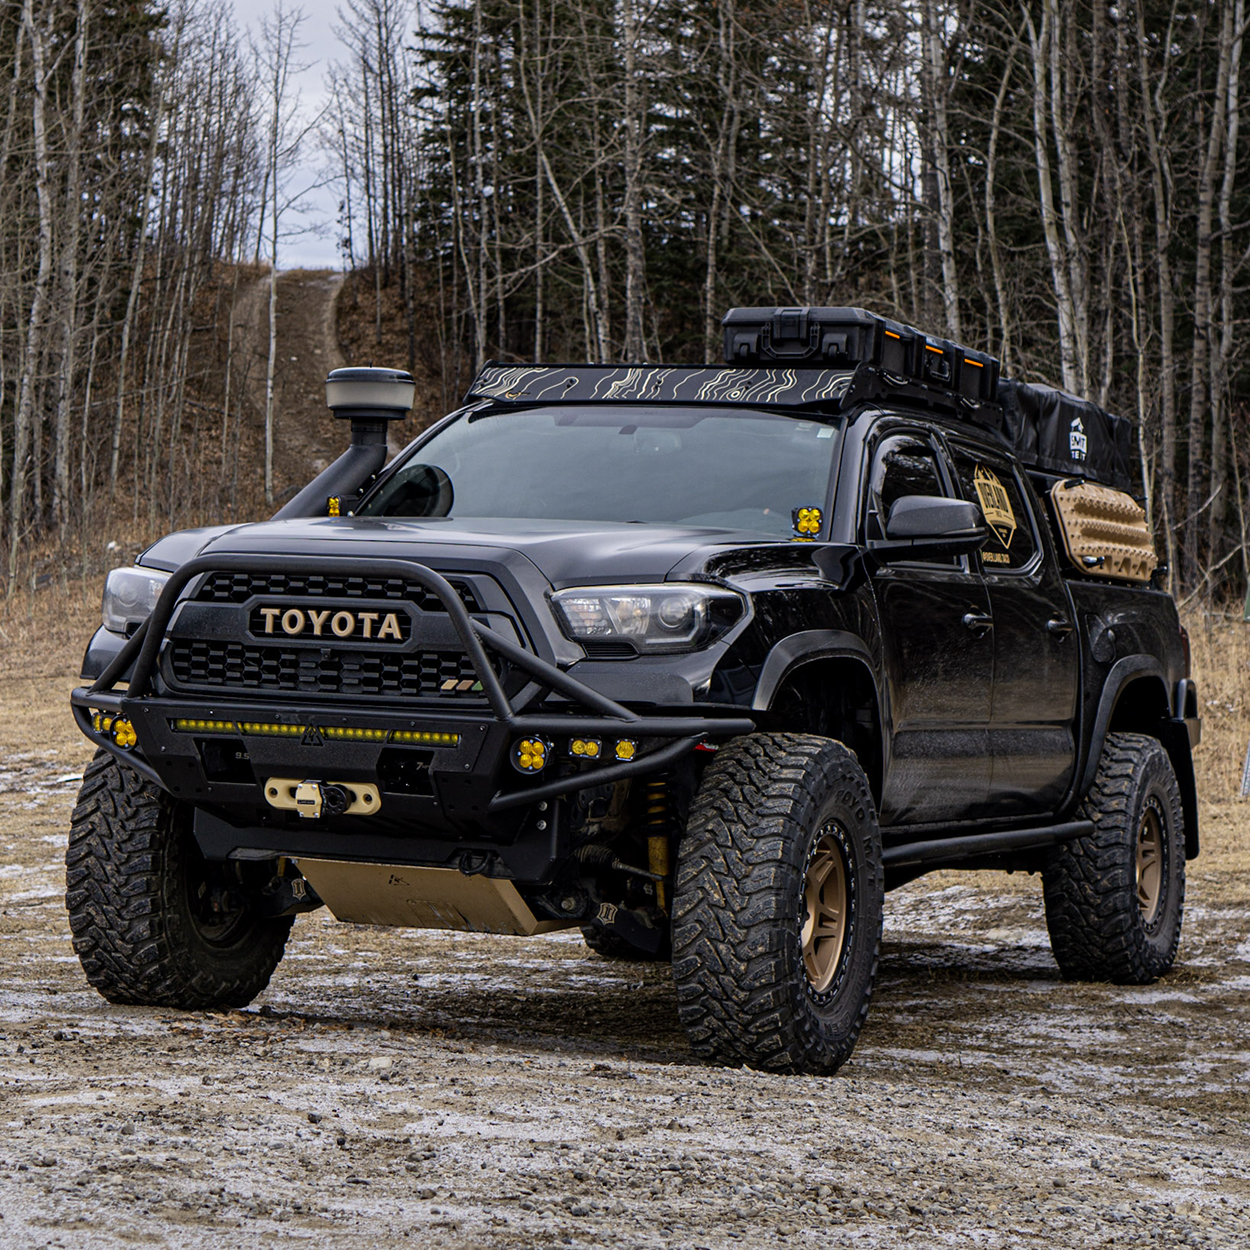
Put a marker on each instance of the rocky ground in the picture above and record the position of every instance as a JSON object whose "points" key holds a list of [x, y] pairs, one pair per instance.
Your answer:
{"points": [[395, 1088]]}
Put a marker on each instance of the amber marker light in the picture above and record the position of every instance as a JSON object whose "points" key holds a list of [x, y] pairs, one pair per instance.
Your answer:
{"points": [[806, 522], [529, 755], [586, 748], [626, 749]]}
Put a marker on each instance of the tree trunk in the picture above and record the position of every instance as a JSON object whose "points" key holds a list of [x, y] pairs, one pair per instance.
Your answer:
{"points": [[35, 328], [69, 277], [935, 77], [1200, 361], [1039, 43], [633, 348]]}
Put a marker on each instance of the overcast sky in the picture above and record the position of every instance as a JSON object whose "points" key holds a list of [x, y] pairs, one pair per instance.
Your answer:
{"points": [[308, 250]]}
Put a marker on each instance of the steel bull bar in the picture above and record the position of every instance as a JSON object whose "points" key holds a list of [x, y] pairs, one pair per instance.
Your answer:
{"points": [[142, 650]]}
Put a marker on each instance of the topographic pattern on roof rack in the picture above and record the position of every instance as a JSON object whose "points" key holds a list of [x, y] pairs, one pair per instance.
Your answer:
{"points": [[660, 384]]}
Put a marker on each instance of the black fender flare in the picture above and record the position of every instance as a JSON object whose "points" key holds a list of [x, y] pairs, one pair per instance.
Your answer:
{"points": [[1172, 733], [802, 648]]}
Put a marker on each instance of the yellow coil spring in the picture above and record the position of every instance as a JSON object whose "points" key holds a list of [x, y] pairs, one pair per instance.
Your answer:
{"points": [[656, 802]]}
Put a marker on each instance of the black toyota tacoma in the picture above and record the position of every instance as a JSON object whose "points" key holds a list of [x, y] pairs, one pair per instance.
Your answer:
{"points": [[702, 660]]}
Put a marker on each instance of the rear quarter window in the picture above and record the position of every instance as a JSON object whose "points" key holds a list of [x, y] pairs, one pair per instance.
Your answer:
{"points": [[992, 484]]}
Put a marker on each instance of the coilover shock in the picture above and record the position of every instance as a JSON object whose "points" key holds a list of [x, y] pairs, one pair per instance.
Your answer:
{"points": [[659, 820]]}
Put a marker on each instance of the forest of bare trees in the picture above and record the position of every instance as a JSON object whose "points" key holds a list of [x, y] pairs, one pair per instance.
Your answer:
{"points": [[1059, 184], [129, 164]]}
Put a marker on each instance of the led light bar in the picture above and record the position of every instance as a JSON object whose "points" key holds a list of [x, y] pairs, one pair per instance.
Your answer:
{"points": [[333, 733]]}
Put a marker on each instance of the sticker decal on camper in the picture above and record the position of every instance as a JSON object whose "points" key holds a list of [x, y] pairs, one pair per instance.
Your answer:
{"points": [[1078, 442]]}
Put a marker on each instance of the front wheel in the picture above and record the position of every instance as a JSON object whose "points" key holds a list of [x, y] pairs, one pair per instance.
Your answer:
{"points": [[1114, 899], [777, 905], [153, 922]]}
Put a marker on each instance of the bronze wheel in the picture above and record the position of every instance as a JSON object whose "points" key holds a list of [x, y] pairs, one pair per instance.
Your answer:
{"points": [[777, 905], [1115, 897], [1149, 869], [826, 897]]}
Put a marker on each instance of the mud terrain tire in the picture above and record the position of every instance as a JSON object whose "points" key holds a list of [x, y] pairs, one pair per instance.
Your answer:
{"points": [[782, 832], [1115, 898], [140, 899]]}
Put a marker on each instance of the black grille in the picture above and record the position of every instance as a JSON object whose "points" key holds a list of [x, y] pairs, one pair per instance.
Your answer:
{"points": [[312, 671], [225, 587]]}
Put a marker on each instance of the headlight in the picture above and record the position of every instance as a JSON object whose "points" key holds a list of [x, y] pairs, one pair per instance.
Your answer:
{"points": [[668, 617], [129, 595]]}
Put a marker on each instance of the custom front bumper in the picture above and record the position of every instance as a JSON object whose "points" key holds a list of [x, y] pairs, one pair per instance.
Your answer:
{"points": [[446, 784]]}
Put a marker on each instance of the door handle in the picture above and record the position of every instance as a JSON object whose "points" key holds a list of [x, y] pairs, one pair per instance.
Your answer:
{"points": [[1060, 626], [979, 622]]}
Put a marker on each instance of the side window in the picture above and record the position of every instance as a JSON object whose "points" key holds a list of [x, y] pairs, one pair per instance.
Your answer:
{"points": [[903, 464], [992, 485]]}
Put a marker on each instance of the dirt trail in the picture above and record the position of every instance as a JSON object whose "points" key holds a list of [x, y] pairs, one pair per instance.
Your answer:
{"points": [[306, 436], [395, 1088]]}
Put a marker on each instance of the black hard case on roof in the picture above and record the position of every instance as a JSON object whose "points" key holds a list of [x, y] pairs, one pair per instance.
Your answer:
{"points": [[846, 337]]}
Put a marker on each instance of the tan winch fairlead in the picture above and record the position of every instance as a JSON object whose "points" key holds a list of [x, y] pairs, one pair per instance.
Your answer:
{"points": [[1104, 531]]}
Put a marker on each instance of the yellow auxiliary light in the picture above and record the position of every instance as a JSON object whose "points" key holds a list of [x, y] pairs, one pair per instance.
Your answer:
{"points": [[116, 727], [266, 729], [333, 733], [185, 725], [529, 755], [806, 522], [348, 733], [586, 748], [411, 737], [626, 749]]}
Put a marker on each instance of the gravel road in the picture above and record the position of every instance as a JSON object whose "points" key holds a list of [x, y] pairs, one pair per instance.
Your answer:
{"points": [[395, 1088]]}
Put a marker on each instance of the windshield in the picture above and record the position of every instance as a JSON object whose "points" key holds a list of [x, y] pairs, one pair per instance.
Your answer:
{"points": [[730, 469]]}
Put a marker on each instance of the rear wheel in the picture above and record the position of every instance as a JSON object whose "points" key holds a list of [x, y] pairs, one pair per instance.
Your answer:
{"points": [[777, 905], [153, 922], [1115, 898]]}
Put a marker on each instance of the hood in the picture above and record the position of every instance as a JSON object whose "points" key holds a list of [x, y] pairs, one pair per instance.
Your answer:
{"points": [[567, 553]]}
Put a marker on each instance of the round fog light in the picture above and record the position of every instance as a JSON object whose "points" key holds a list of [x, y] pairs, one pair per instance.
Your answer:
{"points": [[529, 755]]}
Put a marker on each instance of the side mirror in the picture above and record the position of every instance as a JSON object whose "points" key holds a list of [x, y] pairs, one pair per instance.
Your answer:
{"points": [[930, 516], [921, 526]]}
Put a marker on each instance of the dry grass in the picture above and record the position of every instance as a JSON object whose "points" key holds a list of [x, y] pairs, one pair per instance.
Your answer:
{"points": [[1221, 651]]}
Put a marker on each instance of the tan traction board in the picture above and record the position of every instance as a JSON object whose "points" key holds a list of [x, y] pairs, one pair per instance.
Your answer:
{"points": [[1104, 531], [422, 898]]}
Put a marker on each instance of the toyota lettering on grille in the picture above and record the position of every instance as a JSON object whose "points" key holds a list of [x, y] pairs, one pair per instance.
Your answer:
{"points": [[330, 623]]}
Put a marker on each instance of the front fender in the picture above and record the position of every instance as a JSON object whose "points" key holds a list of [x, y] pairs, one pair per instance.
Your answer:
{"points": [[802, 648]]}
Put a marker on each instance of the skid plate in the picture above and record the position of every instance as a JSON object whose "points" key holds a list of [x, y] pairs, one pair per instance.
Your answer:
{"points": [[423, 898]]}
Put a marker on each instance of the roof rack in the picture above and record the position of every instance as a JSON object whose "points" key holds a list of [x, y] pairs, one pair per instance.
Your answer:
{"points": [[826, 360], [817, 389]]}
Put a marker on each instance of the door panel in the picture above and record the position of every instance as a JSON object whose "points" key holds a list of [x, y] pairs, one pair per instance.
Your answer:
{"points": [[1036, 653], [940, 672], [938, 638]]}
